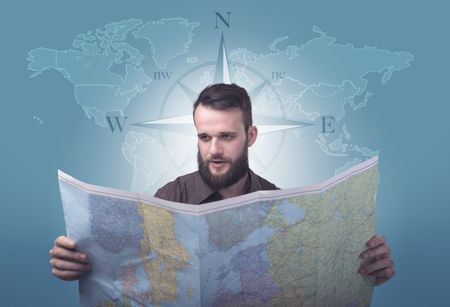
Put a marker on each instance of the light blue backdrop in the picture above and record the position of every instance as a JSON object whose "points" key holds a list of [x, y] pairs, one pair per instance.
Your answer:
{"points": [[407, 120]]}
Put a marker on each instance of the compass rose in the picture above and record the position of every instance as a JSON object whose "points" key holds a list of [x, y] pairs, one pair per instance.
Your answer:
{"points": [[175, 124]]}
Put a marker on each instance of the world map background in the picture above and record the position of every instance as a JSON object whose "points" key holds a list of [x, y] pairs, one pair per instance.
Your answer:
{"points": [[406, 120]]}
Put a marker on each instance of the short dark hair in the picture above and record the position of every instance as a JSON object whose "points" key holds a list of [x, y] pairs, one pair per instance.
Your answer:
{"points": [[222, 96]]}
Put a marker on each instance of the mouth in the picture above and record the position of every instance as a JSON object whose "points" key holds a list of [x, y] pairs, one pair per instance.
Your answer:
{"points": [[216, 163]]}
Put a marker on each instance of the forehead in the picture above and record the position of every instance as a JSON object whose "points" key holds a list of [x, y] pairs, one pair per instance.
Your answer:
{"points": [[209, 120]]}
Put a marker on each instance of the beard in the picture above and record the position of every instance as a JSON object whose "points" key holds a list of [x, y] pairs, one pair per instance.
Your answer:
{"points": [[237, 170]]}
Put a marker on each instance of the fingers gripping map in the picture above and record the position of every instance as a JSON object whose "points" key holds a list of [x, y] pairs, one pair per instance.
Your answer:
{"points": [[293, 247]]}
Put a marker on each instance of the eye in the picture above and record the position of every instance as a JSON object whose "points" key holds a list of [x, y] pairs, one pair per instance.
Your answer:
{"points": [[204, 138], [227, 137]]}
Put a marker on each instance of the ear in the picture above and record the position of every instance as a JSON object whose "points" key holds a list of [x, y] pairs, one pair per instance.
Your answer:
{"points": [[252, 133]]}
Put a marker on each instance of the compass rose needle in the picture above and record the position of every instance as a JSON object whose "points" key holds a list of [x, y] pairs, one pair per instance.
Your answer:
{"points": [[181, 124], [254, 93], [222, 74], [190, 93], [268, 124]]}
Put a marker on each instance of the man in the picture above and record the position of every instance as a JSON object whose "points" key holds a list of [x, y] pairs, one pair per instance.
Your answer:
{"points": [[223, 118]]}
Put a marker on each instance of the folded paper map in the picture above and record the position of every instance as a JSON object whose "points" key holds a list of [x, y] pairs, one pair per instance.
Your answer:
{"points": [[292, 247]]}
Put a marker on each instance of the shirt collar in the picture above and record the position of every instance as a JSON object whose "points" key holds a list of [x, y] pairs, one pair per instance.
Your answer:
{"points": [[202, 191]]}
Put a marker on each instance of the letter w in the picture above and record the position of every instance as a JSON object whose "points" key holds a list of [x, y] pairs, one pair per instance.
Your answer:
{"points": [[119, 121]]}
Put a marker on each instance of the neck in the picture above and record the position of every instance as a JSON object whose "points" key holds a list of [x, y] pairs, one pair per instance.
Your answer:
{"points": [[237, 189]]}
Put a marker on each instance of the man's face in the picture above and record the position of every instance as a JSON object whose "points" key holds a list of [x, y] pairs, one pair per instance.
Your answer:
{"points": [[222, 145]]}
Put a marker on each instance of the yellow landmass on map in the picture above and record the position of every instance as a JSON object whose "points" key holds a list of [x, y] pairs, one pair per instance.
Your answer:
{"points": [[161, 253]]}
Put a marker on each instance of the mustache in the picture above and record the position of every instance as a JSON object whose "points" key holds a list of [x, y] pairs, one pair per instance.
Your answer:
{"points": [[218, 157]]}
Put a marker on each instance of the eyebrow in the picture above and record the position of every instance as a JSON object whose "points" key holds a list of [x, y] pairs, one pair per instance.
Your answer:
{"points": [[228, 132], [221, 133]]}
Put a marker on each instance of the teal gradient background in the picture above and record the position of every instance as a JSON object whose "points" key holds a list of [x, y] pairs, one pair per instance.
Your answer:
{"points": [[407, 120]]}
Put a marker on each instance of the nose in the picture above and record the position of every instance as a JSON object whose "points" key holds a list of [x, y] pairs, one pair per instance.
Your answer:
{"points": [[215, 148]]}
